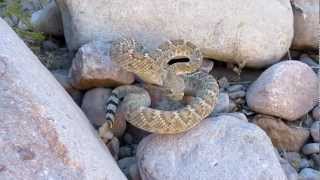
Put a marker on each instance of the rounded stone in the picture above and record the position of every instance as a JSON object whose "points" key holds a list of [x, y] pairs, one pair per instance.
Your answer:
{"points": [[311, 148], [286, 89], [316, 113], [315, 131], [218, 148]]}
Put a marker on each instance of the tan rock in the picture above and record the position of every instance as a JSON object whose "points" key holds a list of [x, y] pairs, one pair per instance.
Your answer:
{"points": [[282, 136], [92, 67], [306, 24], [93, 105], [257, 34], [43, 134], [286, 89]]}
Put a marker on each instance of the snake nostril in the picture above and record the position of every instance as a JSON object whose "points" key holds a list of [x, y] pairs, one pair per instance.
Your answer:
{"points": [[178, 60]]}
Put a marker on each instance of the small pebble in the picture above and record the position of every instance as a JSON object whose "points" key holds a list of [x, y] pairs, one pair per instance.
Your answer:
{"points": [[237, 94], [311, 148], [309, 174], [316, 160], [315, 131], [235, 88], [316, 113], [128, 139], [124, 151], [305, 163], [307, 121], [222, 104], [134, 149]]}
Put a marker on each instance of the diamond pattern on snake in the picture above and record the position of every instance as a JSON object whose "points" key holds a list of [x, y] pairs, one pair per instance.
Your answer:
{"points": [[178, 80]]}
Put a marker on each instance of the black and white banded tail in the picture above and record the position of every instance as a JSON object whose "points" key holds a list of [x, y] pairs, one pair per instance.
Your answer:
{"points": [[111, 109]]}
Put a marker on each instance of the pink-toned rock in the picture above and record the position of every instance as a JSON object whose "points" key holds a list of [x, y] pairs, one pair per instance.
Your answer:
{"points": [[282, 136], [92, 67], [93, 105], [287, 90], [43, 134], [306, 24]]}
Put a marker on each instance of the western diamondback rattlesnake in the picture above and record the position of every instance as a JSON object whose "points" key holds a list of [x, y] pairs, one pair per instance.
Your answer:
{"points": [[178, 79]]}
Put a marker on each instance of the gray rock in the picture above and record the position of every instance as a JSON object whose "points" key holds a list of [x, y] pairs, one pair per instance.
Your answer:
{"points": [[306, 21], [211, 150], [124, 151], [126, 163], [286, 89], [134, 172], [316, 160], [44, 135], [315, 131], [48, 20], [316, 113], [305, 163], [211, 25], [234, 88], [237, 94], [309, 174], [291, 173], [311, 148], [92, 67], [222, 105]]}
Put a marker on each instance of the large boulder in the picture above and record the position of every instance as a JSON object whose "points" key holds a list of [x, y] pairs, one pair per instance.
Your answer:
{"points": [[218, 148], [306, 24], [256, 33], [43, 134], [287, 90]]}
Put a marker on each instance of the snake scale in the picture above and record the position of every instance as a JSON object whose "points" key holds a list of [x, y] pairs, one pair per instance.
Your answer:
{"points": [[180, 79]]}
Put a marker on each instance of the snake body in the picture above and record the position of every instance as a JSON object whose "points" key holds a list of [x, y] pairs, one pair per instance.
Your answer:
{"points": [[179, 78]]}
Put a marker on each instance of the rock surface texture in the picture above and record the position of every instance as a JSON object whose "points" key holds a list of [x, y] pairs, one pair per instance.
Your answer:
{"points": [[43, 134], [287, 90], [306, 24], [224, 30], [211, 150], [282, 136], [48, 20], [92, 67]]}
